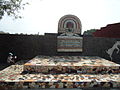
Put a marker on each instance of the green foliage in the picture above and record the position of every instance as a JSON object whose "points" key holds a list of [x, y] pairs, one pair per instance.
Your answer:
{"points": [[2, 32], [89, 32], [11, 8]]}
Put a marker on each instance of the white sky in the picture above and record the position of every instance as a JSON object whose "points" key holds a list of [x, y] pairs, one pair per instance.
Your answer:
{"points": [[43, 15]]}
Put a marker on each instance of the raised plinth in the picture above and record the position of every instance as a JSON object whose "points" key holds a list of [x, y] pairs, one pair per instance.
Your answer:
{"points": [[13, 77], [71, 64]]}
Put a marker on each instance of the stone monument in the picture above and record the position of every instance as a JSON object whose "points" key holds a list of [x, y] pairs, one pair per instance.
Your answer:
{"points": [[69, 34]]}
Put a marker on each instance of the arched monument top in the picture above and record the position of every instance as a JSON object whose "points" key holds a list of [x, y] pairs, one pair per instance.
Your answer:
{"points": [[69, 23]]}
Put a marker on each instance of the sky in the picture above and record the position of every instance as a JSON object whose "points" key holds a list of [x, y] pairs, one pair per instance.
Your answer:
{"points": [[43, 15]]}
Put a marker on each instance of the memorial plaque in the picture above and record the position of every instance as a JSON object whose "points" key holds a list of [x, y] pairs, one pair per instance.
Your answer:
{"points": [[68, 44]]}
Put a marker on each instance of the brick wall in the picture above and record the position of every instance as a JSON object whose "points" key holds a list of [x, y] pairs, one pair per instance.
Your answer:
{"points": [[110, 31]]}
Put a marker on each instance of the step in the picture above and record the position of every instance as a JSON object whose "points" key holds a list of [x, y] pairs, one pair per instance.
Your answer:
{"points": [[71, 64], [61, 81]]}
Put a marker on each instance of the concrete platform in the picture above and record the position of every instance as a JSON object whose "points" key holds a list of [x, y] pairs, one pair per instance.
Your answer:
{"points": [[71, 64]]}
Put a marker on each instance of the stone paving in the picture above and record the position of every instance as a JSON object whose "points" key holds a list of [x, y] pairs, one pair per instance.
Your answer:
{"points": [[14, 77]]}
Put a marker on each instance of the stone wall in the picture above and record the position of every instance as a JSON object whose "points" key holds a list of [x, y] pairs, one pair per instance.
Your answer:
{"points": [[24, 46], [29, 46], [97, 46]]}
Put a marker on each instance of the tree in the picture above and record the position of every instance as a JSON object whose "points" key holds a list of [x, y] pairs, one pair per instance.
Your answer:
{"points": [[2, 32], [11, 7], [89, 32]]}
